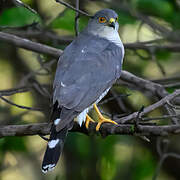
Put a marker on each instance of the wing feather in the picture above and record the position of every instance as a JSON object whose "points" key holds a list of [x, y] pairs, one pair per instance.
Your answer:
{"points": [[80, 81]]}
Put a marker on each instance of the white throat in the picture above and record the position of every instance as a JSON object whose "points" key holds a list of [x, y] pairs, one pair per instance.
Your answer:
{"points": [[110, 34]]}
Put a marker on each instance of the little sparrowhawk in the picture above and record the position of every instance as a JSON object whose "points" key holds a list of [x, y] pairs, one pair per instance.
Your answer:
{"points": [[85, 72]]}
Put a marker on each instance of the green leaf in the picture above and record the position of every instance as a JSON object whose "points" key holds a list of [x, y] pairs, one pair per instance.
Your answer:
{"points": [[163, 55], [80, 144], [83, 21], [65, 21], [175, 20], [161, 8], [18, 16], [132, 128], [146, 165], [170, 89], [12, 144], [125, 18]]}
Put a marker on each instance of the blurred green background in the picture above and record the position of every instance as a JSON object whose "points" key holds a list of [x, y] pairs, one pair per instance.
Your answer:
{"points": [[84, 157]]}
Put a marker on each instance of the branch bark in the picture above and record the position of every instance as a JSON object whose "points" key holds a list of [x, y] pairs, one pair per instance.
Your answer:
{"points": [[30, 45], [106, 129], [44, 49], [126, 77], [150, 108]]}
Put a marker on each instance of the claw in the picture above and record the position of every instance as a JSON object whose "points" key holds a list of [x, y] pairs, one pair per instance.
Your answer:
{"points": [[102, 119], [88, 119]]}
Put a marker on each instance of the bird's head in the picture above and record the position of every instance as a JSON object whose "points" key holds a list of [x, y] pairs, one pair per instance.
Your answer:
{"points": [[104, 21]]}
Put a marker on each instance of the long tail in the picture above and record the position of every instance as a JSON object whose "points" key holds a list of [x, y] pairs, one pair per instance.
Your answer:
{"points": [[54, 149], [55, 144]]}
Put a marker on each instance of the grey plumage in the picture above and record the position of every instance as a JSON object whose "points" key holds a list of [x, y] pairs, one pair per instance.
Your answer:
{"points": [[87, 68], [81, 79]]}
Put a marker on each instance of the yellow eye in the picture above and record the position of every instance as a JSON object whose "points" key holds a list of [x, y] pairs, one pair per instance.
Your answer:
{"points": [[102, 19], [116, 19]]}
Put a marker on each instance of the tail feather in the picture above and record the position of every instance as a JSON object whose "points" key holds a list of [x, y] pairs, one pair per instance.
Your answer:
{"points": [[56, 142], [54, 149]]}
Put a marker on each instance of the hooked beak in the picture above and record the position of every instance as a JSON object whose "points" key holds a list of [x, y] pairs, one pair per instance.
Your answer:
{"points": [[112, 22]]}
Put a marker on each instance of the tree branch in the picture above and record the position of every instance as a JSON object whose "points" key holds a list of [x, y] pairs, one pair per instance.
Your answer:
{"points": [[30, 45], [9, 92], [73, 8], [76, 25], [19, 106], [44, 49], [126, 77], [175, 47], [145, 85], [150, 108], [106, 129]]}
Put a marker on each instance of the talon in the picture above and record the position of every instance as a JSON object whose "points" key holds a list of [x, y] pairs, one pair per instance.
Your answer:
{"points": [[88, 119], [102, 119]]}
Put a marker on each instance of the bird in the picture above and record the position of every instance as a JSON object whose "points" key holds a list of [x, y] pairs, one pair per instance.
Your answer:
{"points": [[86, 70]]}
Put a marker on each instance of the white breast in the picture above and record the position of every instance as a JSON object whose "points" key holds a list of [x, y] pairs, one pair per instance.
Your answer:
{"points": [[111, 35]]}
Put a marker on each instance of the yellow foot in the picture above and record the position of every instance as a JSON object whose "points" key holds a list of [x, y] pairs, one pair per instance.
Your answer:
{"points": [[102, 119], [88, 119]]}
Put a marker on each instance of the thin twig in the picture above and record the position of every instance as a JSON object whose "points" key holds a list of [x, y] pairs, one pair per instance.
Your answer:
{"points": [[73, 8], [18, 2], [160, 117], [162, 148], [77, 19], [166, 79], [163, 158], [150, 108], [172, 85], [157, 62], [155, 89], [19, 106], [21, 89], [112, 98], [44, 138], [172, 105], [9, 92]]}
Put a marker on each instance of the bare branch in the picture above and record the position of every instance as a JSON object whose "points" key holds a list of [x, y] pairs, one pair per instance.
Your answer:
{"points": [[73, 8], [145, 85], [106, 129], [160, 117], [44, 49], [9, 92], [19, 106], [150, 108], [30, 45], [163, 158], [18, 2], [167, 79], [175, 47], [162, 148], [129, 79], [77, 19], [172, 105]]}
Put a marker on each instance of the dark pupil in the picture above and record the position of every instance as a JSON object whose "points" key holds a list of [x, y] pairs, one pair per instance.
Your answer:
{"points": [[102, 19]]}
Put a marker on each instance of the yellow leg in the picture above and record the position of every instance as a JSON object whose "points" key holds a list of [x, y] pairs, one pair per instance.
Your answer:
{"points": [[102, 119], [88, 119]]}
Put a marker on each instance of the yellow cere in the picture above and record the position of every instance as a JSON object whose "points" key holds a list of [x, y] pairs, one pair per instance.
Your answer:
{"points": [[112, 20]]}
